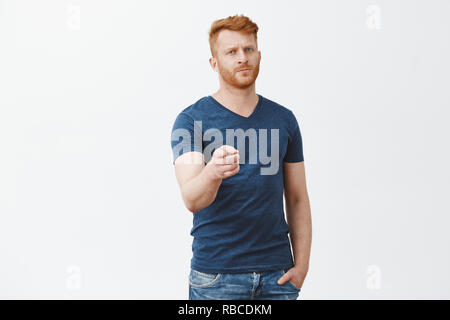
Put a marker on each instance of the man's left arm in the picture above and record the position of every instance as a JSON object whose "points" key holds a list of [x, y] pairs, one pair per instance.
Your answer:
{"points": [[298, 214]]}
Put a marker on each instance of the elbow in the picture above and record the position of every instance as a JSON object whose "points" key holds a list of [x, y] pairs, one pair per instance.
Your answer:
{"points": [[296, 197], [293, 201], [188, 203], [191, 207], [195, 206]]}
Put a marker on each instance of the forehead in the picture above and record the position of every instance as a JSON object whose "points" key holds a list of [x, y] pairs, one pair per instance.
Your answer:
{"points": [[229, 38]]}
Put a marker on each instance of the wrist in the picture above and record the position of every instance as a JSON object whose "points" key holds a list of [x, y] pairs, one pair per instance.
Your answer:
{"points": [[210, 174], [301, 267]]}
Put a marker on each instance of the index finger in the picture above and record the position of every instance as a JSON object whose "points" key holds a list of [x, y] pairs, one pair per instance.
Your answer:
{"points": [[225, 150]]}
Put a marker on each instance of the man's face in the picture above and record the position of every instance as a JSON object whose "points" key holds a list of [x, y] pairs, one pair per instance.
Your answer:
{"points": [[236, 51]]}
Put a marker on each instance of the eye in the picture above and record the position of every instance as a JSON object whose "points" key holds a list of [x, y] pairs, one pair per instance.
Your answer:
{"points": [[230, 51], [251, 49]]}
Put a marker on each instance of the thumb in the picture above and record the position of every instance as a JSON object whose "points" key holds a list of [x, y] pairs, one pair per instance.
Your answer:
{"points": [[283, 279]]}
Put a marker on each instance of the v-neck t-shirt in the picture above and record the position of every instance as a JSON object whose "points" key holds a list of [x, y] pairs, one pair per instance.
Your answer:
{"points": [[244, 229]]}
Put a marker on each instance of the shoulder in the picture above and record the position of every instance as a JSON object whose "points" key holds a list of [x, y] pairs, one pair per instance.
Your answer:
{"points": [[280, 111], [196, 109], [187, 118]]}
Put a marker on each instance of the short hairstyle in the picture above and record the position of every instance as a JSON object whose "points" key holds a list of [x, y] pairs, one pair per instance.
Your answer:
{"points": [[233, 23]]}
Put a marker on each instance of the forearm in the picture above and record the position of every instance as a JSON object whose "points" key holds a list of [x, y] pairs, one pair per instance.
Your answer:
{"points": [[298, 215], [200, 191]]}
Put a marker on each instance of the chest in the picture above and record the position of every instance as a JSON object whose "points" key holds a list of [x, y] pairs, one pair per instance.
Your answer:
{"points": [[262, 145]]}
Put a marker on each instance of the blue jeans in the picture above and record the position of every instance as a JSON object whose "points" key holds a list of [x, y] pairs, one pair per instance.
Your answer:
{"points": [[240, 286]]}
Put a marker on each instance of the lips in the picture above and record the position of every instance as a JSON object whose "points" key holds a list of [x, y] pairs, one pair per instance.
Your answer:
{"points": [[243, 70]]}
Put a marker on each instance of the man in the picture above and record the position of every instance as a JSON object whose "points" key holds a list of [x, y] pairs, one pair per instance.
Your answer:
{"points": [[241, 247]]}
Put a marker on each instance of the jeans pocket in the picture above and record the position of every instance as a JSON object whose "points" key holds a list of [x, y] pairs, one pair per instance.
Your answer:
{"points": [[199, 279], [290, 283]]}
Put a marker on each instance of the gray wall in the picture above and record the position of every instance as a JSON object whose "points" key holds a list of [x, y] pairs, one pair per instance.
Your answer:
{"points": [[89, 90]]}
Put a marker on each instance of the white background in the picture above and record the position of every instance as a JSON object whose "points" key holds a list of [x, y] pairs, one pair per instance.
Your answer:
{"points": [[89, 90]]}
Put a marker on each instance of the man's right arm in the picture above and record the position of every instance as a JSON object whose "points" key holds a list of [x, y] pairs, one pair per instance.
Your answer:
{"points": [[198, 182]]}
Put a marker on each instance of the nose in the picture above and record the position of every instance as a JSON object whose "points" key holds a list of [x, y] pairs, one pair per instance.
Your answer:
{"points": [[242, 58]]}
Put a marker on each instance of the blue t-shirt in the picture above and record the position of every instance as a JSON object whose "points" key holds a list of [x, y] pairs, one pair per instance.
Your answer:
{"points": [[244, 228]]}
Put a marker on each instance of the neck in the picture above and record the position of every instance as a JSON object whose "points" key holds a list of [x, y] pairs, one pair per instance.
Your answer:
{"points": [[242, 100]]}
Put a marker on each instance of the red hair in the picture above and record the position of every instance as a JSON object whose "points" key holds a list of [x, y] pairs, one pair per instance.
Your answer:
{"points": [[233, 23]]}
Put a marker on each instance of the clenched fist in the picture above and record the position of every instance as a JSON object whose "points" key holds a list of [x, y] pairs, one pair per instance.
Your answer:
{"points": [[224, 162]]}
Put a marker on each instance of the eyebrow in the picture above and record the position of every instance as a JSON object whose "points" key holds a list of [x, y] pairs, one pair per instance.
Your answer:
{"points": [[234, 47]]}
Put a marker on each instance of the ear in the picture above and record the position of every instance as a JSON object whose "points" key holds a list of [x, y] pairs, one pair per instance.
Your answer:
{"points": [[213, 63]]}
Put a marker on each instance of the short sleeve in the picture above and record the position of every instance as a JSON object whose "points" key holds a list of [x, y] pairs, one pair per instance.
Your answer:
{"points": [[294, 151], [186, 136]]}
